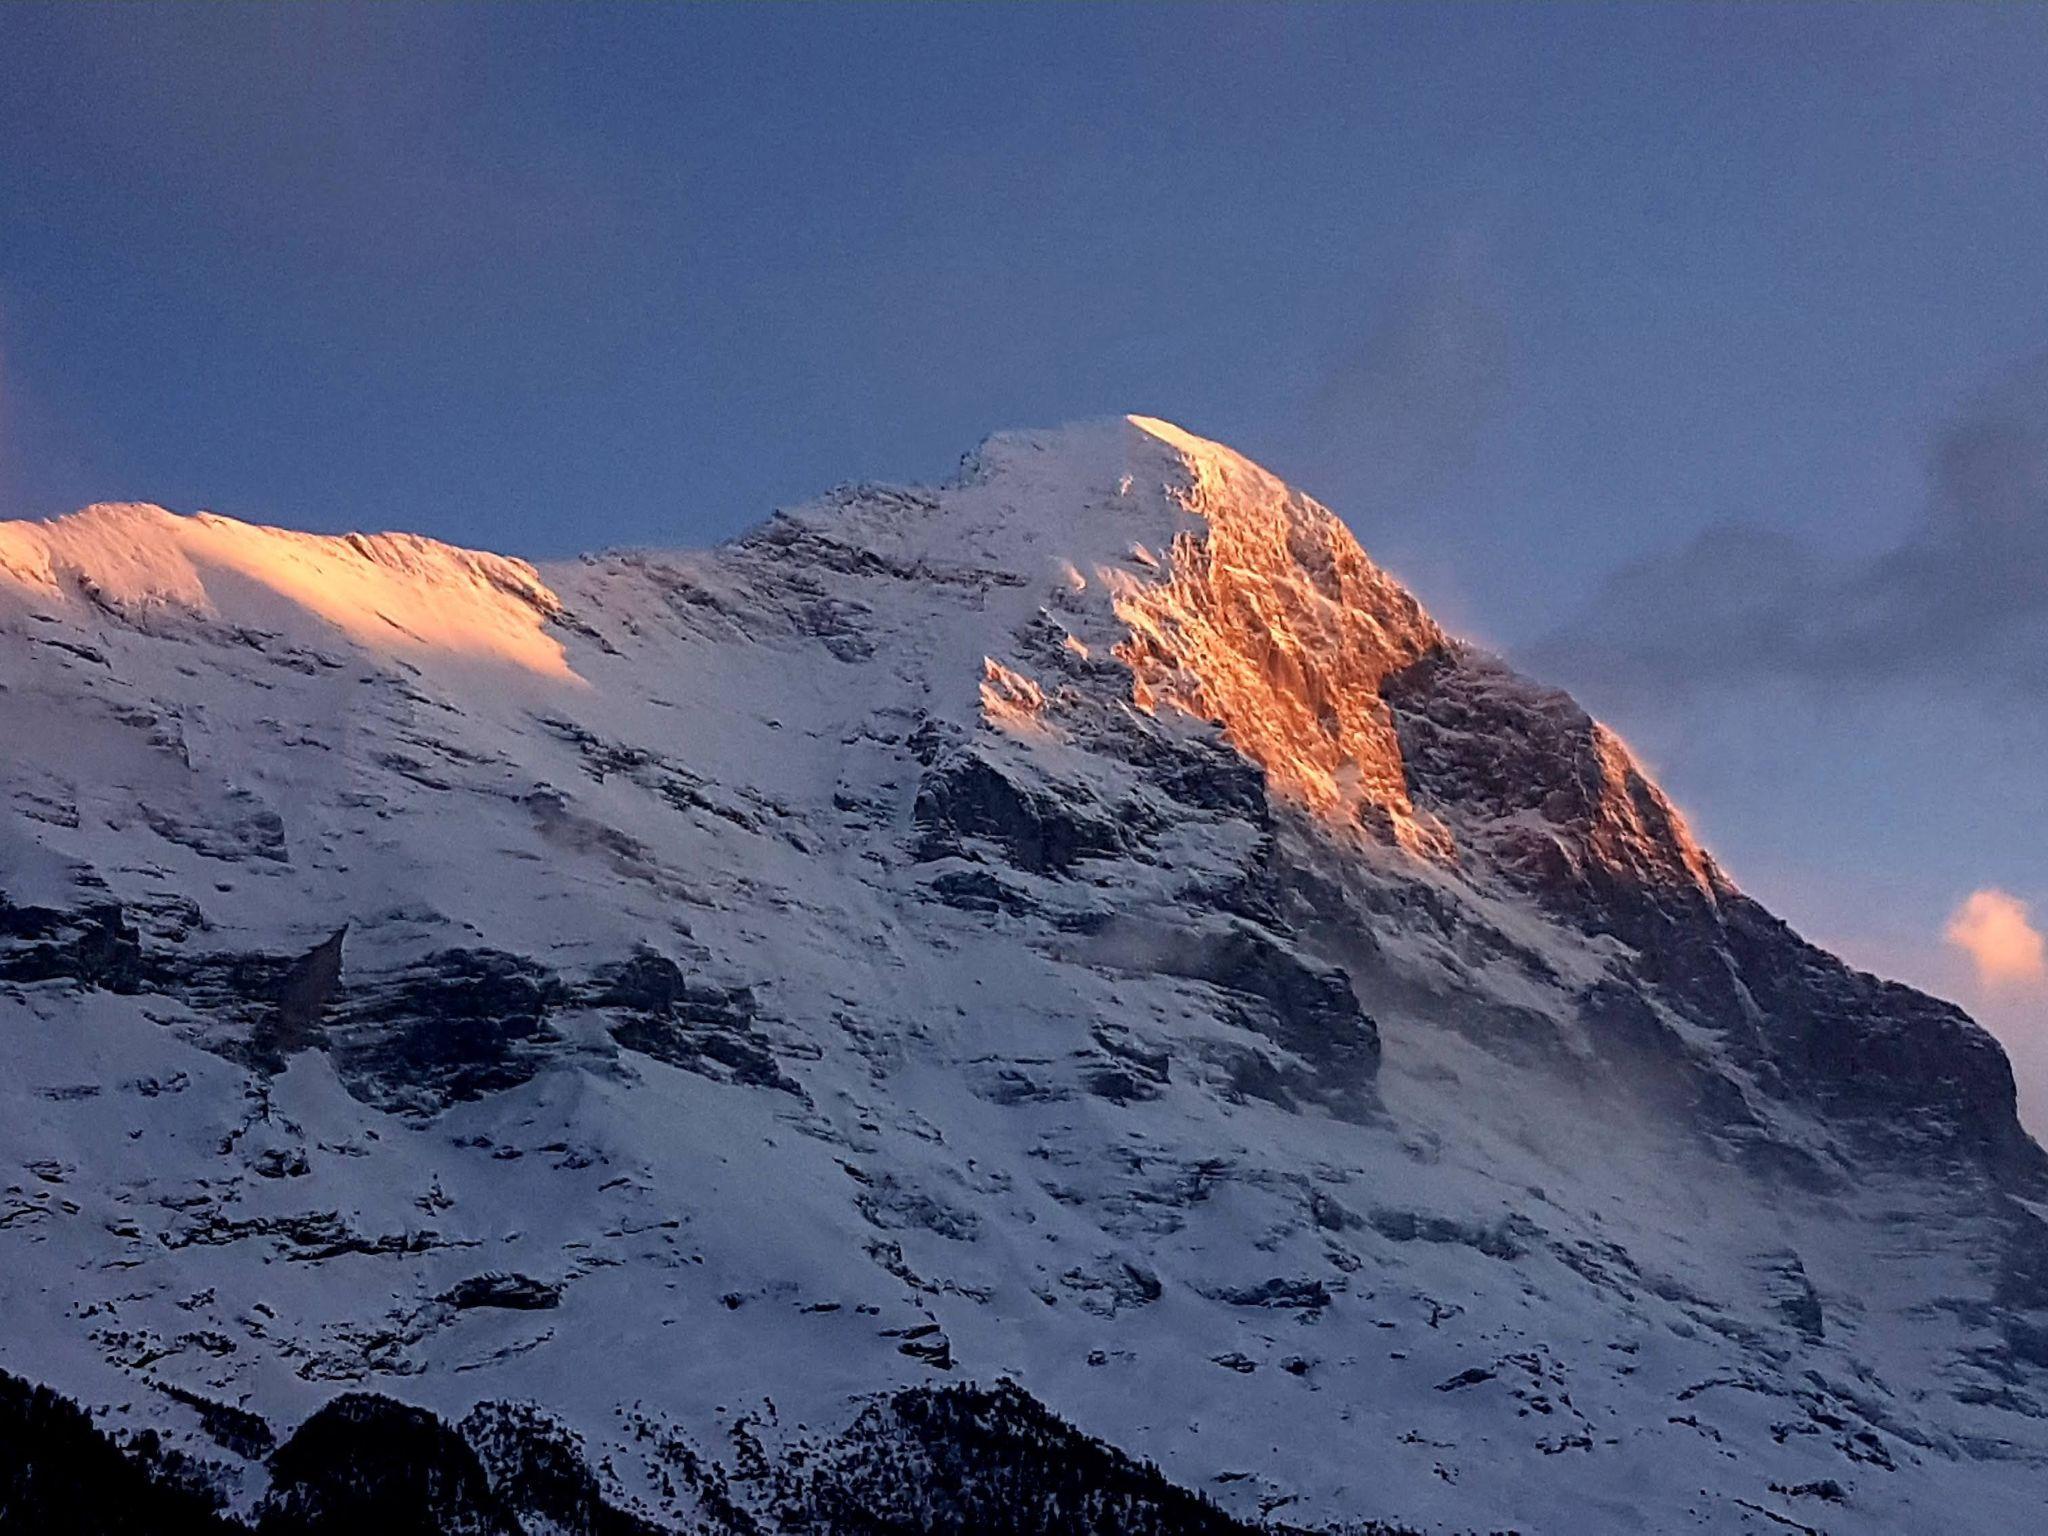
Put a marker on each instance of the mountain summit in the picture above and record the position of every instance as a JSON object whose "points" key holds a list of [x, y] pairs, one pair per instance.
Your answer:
{"points": [[905, 1018]]}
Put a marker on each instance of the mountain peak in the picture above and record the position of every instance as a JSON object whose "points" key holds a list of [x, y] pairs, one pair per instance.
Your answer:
{"points": [[1227, 595], [1085, 923], [1236, 599], [1272, 621]]}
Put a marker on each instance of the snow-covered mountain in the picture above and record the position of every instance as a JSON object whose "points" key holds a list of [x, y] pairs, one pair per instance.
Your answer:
{"points": [[929, 1007]]}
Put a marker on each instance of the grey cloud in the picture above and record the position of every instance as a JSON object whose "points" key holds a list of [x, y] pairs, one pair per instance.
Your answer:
{"points": [[1961, 602]]}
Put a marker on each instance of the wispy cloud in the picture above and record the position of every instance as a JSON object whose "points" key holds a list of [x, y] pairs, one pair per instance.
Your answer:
{"points": [[1402, 405], [1994, 928], [1962, 601]]}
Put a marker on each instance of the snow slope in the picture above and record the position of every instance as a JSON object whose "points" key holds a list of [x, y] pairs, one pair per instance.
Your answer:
{"points": [[1084, 923]]}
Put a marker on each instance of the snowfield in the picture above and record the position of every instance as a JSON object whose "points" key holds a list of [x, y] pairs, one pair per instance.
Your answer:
{"points": [[1083, 924]]}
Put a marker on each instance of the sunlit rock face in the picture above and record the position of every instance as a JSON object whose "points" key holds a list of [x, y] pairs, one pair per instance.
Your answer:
{"points": [[1270, 621], [665, 1036]]}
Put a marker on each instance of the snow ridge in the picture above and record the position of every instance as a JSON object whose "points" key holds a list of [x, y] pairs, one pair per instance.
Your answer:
{"points": [[1083, 924], [391, 592]]}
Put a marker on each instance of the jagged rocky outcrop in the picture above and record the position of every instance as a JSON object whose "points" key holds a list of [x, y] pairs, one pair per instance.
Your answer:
{"points": [[1543, 797], [656, 1042], [91, 945]]}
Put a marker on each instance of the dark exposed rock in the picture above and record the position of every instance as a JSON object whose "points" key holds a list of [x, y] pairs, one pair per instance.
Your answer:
{"points": [[977, 890], [457, 1025], [1195, 768], [1106, 1291], [675, 784], [1308, 1008], [1302, 1005], [798, 544], [1013, 1085], [255, 832], [893, 1206], [688, 1023], [244, 996], [1277, 1292], [454, 1025], [94, 946], [1127, 1072], [311, 1237], [1826, 1489], [1506, 758], [301, 993], [282, 1163], [519, 1293], [928, 1346], [1792, 1294], [308, 987], [1470, 1377], [1254, 1073], [964, 798], [1508, 1238], [746, 1058], [1154, 1062], [1872, 1049], [653, 984], [1331, 1214], [1639, 1043], [2022, 1275], [1535, 789], [1143, 1285], [1118, 1083]]}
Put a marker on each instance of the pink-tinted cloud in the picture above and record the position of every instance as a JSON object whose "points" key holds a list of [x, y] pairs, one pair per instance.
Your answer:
{"points": [[1993, 927]]}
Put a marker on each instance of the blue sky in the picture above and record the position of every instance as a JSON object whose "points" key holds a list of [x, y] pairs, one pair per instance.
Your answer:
{"points": [[1594, 321]]}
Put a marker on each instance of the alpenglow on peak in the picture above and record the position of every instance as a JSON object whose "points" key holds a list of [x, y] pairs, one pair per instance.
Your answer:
{"points": [[930, 982]]}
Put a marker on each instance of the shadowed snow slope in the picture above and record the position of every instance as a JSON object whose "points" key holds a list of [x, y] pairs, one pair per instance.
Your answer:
{"points": [[1084, 924]]}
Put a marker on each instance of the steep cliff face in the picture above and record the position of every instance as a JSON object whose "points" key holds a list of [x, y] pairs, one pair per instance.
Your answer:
{"points": [[1084, 926], [1271, 622]]}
